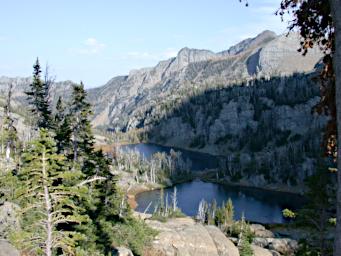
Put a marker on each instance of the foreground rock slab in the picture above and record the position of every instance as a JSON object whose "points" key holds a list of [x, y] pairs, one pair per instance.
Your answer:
{"points": [[259, 251], [8, 218], [6, 249], [185, 237]]}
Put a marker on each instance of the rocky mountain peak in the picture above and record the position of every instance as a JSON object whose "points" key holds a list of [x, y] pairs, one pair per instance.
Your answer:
{"points": [[262, 38], [186, 56]]}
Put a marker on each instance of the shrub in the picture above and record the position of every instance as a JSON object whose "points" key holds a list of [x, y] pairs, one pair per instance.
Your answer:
{"points": [[134, 234]]}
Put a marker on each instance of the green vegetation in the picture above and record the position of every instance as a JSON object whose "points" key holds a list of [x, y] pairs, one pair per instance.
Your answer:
{"points": [[317, 215], [134, 234], [167, 207], [69, 200], [257, 129], [38, 97], [211, 214], [48, 194]]}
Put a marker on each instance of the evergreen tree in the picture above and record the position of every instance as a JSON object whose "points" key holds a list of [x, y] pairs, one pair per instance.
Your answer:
{"points": [[48, 195], [62, 128], [318, 212], [80, 111], [244, 242], [228, 212], [38, 97], [245, 248]]}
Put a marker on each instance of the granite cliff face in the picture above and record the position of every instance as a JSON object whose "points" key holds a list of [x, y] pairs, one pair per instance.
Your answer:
{"points": [[118, 102], [21, 85]]}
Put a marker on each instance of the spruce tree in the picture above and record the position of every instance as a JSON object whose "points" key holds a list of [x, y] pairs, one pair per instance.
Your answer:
{"points": [[38, 98], [62, 128], [49, 196], [80, 111]]}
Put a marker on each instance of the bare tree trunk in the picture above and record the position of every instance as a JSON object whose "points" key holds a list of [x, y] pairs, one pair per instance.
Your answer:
{"points": [[336, 14], [2, 137], [174, 199], [8, 151], [48, 242]]}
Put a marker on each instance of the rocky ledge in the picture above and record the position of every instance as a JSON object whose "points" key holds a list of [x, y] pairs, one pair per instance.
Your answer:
{"points": [[184, 236]]}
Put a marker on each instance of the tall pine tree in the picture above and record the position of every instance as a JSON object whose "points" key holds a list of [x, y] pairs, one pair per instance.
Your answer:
{"points": [[49, 196], [80, 112], [62, 128], [38, 97]]}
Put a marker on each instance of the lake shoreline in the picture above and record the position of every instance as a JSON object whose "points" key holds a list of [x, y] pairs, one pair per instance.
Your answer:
{"points": [[245, 184], [209, 175], [138, 189], [206, 174]]}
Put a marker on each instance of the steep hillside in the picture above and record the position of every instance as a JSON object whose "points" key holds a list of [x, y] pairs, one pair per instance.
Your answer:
{"points": [[264, 130], [117, 102]]}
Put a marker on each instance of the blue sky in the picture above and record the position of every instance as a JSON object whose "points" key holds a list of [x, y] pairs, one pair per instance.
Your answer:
{"points": [[94, 40]]}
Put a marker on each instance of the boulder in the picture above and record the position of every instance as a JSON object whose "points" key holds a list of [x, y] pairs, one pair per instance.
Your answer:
{"points": [[8, 218], [259, 251], [259, 241], [183, 236], [261, 231], [223, 244], [274, 253], [234, 240], [122, 251], [283, 245], [6, 249]]}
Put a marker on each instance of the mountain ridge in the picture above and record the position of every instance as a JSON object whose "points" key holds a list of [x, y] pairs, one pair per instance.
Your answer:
{"points": [[267, 54]]}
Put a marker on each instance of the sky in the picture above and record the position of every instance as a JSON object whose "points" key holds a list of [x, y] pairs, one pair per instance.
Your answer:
{"points": [[95, 40]]}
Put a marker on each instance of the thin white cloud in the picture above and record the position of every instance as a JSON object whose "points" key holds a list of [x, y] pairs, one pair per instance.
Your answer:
{"points": [[90, 46]]}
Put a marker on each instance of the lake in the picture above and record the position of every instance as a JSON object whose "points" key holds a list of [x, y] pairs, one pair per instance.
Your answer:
{"points": [[257, 205], [200, 161]]}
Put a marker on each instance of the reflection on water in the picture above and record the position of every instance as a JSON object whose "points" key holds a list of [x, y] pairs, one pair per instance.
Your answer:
{"points": [[257, 205]]}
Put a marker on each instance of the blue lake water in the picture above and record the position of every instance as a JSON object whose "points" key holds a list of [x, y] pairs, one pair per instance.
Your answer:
{"points": [[257, 205], [200, 161]]}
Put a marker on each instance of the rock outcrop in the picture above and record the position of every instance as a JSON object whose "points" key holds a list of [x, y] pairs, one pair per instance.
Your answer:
{"points": [[259, 251], [183, 236], [265, 242], [260, 231], [8, 218], [6, 249], [122, 98], [122, 251]]}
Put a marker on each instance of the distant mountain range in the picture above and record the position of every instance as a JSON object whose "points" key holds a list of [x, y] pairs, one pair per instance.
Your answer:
{"points": [[116, 102]]}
